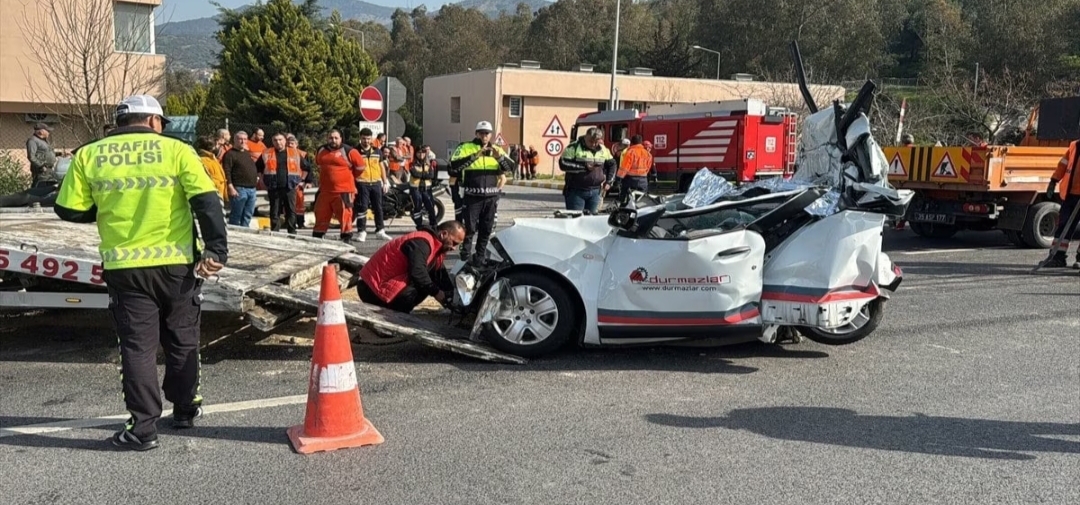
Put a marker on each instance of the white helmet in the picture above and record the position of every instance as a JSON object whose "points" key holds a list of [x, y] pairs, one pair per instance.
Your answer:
{"points": [[484, 126]]}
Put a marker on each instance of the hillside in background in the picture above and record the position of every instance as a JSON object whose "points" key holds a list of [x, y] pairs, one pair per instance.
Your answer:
{"points": [[191, 44]]}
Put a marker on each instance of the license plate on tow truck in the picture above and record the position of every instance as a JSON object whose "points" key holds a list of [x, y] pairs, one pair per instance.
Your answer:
{"points": [[934, 218]]}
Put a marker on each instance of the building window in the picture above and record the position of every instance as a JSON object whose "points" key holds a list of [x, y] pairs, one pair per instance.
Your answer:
{"points": [[515, 106], [601, 106], [455, 109], [133, 28], [638, 106]]}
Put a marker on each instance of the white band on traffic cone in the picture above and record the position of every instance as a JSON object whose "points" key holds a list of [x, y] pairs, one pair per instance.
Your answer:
{"points": [[337, 378], [331, 313]]}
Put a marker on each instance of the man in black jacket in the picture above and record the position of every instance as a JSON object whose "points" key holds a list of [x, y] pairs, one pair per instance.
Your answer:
{"points": [[589, 168], [243, 177]]}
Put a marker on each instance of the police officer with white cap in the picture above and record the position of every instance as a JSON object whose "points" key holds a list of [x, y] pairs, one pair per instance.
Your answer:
{"points": [[142, 189], [478, 169]]}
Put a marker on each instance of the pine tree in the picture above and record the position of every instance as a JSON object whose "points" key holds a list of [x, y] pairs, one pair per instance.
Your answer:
{"points": [[281, 64]]}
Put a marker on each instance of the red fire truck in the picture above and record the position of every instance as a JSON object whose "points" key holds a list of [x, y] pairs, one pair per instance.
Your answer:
{"points": [[742, 140]]}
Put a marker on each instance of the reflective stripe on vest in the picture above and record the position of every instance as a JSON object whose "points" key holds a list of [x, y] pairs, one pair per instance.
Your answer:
{"points": [[488, 163], [105, 185], [141, 183], [293, 162], [148, 253]]}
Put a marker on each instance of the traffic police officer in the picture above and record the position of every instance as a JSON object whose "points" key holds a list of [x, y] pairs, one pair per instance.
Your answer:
{"points": [[589, 167], [421, 176], [142, 188], [479, 170]]}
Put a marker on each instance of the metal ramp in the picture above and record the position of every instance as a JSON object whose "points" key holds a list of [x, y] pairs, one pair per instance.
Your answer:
{"points": [[270, 277]]}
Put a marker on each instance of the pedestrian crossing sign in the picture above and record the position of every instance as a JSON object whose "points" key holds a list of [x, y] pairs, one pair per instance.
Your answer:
{"points": [[946, 169]]}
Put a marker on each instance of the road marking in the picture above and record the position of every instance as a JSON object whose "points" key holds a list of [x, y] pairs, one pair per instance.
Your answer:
{"points": [[938, 251], [74, 424]]}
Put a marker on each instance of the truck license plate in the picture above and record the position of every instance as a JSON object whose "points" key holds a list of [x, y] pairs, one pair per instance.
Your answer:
{"points": [[935, 218]]}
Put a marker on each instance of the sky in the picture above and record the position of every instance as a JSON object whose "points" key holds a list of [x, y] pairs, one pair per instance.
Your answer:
{"points": [[183, 10]]}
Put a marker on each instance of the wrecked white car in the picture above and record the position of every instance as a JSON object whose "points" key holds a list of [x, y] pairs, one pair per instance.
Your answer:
{"points": [[716, 262]]}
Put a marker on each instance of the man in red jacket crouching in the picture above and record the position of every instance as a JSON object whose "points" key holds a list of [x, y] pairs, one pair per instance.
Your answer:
{"points": [[408, 269]]}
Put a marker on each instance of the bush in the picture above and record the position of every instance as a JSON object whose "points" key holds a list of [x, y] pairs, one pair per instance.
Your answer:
{"points": [[13, 177]]}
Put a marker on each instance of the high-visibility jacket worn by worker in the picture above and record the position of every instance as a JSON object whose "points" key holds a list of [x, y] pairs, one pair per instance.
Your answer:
{"points": [[387, 272], [585, 168], [270, 172], [635, 162], [371, 169], [477, 174], [138, 186], [338, 168], [1069, 183]]}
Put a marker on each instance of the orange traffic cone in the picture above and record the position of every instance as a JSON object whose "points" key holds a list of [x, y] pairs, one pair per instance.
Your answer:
{"points": [[335, 416]]}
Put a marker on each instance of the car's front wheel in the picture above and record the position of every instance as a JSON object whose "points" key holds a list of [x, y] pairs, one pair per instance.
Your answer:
{"points": [[862, 325], [540, 321]]}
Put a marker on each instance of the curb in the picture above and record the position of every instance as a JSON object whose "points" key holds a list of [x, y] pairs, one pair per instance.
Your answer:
{"points": [[537, 184]]}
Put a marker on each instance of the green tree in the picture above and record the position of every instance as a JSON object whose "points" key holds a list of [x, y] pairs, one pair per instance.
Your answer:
{"points": [[281, 64], [187, 103]]}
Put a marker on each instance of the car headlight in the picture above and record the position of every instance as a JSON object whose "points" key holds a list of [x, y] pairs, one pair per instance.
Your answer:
{"points": [[465, 283]]}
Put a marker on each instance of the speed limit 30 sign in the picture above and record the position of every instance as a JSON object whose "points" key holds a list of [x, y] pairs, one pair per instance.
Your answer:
{"points": [[554, 147]]}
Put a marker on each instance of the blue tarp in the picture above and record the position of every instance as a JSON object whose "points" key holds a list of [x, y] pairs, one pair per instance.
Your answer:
{"points": [[182, 127]]}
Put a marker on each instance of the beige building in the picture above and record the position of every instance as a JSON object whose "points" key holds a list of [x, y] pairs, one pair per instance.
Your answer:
{"points": [[531, 106], [42, 78]]}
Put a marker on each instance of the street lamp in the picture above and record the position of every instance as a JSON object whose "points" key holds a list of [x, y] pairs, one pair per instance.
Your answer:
{"points": [[346, 28], [615, 57], [717, 53]]}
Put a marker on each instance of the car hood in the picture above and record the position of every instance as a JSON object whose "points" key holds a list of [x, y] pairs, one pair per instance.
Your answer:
{"points": [[547, 241]]}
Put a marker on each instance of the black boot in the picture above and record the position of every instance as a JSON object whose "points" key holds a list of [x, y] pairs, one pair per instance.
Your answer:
{"points": [[1058, 261]]}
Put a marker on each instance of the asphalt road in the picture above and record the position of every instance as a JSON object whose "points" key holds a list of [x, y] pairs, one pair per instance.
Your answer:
{"points": [[969, 392]]}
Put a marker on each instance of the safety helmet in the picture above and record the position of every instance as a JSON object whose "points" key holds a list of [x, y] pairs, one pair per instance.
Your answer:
{"points": [[484, 126]]}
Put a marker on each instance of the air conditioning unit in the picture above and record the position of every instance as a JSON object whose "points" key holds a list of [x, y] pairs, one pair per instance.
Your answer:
{"points": [[742, 77], [41, 118]]}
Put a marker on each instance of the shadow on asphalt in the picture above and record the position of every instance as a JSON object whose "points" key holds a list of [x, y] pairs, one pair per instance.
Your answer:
{"points": [[264, 434], [906, 240], [722, 360], [943, 436], [932, 268]]}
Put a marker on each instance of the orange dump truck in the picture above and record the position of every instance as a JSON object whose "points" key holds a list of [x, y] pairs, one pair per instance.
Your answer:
{"points": [[989, 187]]}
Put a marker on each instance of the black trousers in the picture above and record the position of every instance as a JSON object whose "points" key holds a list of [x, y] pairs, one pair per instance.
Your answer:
{"points": [[479, 223], [282, 201], [369, 196], [459, 204], [423, 202], [152, 306], [408, 298], [1070, 203], [632, 184]]}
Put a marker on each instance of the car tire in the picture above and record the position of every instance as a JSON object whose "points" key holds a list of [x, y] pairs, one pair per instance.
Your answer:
{"points": [[1038, 232], [440, 210], [933, 230], [531, 289], [875, 312]]}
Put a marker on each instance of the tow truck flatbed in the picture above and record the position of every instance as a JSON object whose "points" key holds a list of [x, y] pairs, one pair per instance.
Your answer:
{"points": [[271, 278]]}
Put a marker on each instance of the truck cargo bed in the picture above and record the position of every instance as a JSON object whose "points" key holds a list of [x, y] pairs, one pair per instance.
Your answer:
{"points": [[271, 277]]}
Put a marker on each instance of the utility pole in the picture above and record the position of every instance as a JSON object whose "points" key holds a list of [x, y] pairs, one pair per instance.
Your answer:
{"points": [[615, 57]]}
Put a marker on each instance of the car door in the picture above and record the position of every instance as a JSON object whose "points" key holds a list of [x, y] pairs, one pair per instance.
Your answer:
{"points": [[671, 288]]}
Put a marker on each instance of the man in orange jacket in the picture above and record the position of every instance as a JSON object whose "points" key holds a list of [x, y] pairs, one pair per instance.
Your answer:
{"points": [[634, 167], [308, 179], [408, 269], [1066, 173], [281, 174], [339, 164]]}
